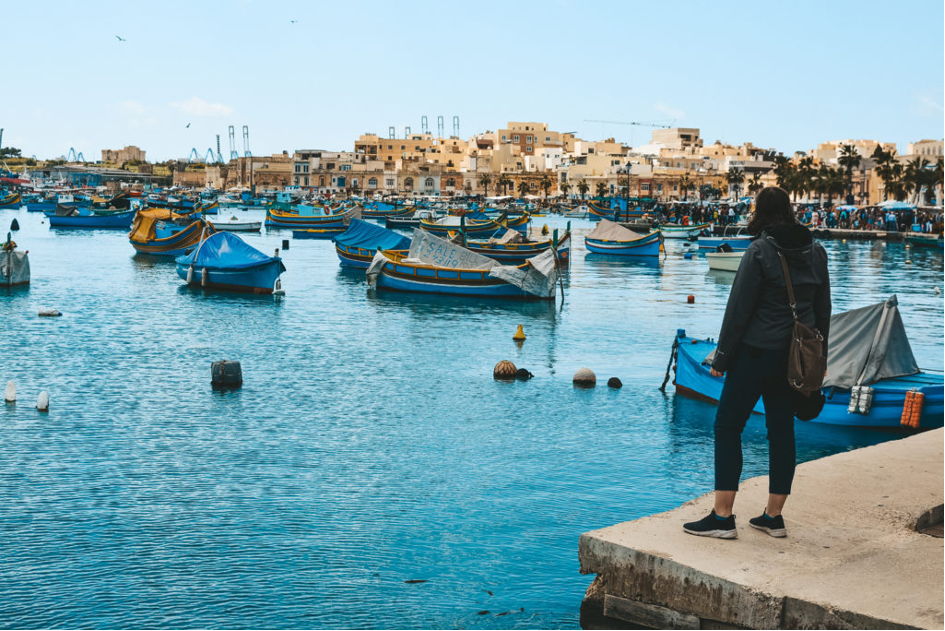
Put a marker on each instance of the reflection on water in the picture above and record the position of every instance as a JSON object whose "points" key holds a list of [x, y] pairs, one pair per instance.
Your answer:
{"points": [[369, 444]]}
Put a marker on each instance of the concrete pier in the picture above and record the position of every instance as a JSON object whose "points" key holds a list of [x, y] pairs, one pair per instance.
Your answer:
{"points": [[852, 559]]}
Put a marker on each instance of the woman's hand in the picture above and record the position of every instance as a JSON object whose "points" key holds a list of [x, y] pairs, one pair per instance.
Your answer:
{"points": [[716, 373]]}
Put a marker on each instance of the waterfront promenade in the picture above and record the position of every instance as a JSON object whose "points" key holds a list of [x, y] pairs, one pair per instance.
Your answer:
{"points": [[852, 558]]}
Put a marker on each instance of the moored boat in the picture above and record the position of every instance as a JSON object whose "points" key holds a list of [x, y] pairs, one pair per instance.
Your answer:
{"points": [[67, 216], [317, 233], [299, 216], [162, 232], [10, 201], [670, 231], [436, 266], [14, 265], [724, 261], [357, 245], [234, 224], [513, 248], [613, 239], [452, 224], [869, 360], [924, 239], [712, 244], [224, 261]]}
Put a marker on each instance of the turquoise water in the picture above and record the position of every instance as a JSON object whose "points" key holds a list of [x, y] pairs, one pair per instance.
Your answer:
{"points": [[369, 444]]}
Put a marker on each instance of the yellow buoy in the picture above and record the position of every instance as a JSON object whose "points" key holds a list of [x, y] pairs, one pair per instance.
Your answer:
{"points": [[544, 229], [519, 334]]}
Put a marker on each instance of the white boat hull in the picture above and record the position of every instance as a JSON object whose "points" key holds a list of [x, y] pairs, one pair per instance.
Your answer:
{"points": [[724, 261]]}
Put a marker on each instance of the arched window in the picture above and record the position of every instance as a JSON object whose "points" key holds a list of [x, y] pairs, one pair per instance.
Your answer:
{"points": [[451, 182], [408, 184], [429, 182], [372, 183]]}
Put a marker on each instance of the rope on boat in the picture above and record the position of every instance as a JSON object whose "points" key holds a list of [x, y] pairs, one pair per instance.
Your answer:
{"points": [[558, 269], [669, 366]]}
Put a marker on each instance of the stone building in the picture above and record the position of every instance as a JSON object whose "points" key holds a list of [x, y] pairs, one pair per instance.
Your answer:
{"points": [[120, 156]]}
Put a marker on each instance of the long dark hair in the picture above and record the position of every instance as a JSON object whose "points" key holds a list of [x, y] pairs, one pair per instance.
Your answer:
{"points": [[772, 208]]}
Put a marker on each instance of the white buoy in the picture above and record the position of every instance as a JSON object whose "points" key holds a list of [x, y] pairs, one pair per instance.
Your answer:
{"points": [[278, 291], [49, 313], [937, 292], [9, 394], [42, 401]]}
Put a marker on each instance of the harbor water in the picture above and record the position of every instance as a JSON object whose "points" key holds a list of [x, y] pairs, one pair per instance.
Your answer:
{"points": [[370, 473]]}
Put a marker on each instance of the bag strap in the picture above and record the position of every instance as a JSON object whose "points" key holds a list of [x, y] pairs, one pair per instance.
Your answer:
{"points": [[790, 287]]}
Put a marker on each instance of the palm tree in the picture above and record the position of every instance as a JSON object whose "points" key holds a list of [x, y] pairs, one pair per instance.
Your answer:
{"points": [[583, 187], [935, 182], [564, 187], [805, 175], [849, 159], [735, 177], [544, 183], [601, 190], [755, 185], [917, 176], [485, 179], [504, 182], [523, 188], [685, 184]]}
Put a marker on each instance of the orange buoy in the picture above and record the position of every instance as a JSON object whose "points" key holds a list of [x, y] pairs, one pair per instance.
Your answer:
{"points": [[690, 299], [906, 419], [917, 400]]}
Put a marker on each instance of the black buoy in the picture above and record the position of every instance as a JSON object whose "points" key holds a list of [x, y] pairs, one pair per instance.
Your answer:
{"points": [[226, 374], [285, 244], [523, 375], [14, 225], [613, 382]]}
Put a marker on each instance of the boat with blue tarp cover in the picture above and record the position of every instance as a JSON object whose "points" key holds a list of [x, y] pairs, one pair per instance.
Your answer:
{"points": [[357, 245], [224, 261], [615, 240], [870, 372]]}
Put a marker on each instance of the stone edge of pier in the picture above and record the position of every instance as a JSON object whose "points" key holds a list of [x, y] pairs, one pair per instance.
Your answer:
{"points": [[852, 558]]}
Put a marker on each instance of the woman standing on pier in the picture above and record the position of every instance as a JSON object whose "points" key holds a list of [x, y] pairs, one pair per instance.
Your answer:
{"points": [[753, 350]]}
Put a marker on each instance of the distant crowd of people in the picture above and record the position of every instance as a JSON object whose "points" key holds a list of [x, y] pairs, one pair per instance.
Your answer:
{"points": [[875, 218]]}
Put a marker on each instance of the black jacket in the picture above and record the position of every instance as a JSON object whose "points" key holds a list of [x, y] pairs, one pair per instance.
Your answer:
{"points": [[758, 313]]}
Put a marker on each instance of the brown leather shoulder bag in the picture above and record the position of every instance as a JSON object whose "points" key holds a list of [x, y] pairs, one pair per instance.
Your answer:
{"points": [[807, 358]]}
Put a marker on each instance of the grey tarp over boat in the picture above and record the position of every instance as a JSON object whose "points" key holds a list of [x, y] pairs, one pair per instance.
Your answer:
{"points": [[537, 277], [14, 268], [609, 231], [867, 345]]}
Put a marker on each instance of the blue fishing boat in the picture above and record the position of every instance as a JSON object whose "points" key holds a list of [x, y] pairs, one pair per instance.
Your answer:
{"points": [[869, 361], [513, 248], [66, 216], [224, 261], [436, 266], [357, 245], [712, 244], [317, 233], [10, 201], [613, 239], [281, 215]]}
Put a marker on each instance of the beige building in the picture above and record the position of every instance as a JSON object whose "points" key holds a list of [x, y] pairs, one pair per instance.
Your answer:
{"points": [[931, 150], [120, 156]]}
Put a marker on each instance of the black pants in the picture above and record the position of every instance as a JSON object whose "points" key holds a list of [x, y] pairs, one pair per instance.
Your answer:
{"points": [[756, 373]]}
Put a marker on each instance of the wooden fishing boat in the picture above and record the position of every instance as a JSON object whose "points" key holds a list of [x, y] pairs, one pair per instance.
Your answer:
{"points": [[162, 232], [924, 239], [224, 261], [596, 211], [724, 261], [372, 211], [449, 224], [357, 245], [712, 244], [682, 232], [66, 216], [436, 266], [10, 201], [300, 216], [854, 350], [613, 239], [234, 224], [507, 250]]}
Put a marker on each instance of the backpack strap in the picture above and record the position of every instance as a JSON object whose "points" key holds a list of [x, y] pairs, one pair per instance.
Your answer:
{"points": [[790, 287]]}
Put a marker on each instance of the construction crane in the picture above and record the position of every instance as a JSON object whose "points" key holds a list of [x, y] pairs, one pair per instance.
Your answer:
{"points": [[194, 156], [586, 120], [219, 155], [233, 154], [246, 152], [210, 158]]}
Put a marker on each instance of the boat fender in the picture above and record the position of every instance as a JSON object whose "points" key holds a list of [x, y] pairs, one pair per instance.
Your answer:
{"points": [[278, 291], [687, 255], [190, 274], [504, 371], [9, 395], [519, 334], [226, 374], [42, 401], [285, 244], [908, 262], [14, 225], [49, 313], [584, 378], [203, 277]]}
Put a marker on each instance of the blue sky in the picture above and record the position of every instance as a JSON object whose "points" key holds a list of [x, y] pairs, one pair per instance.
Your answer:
{"points": [[785, 75]]}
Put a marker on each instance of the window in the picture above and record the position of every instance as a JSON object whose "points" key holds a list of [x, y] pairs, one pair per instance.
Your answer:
{"points": [[428, 182], [296, 180], [528, 149], [390, 182], [451, 182], [528, 140], [659, 188], [321, 180], [402, 147], [515, 138], [408, 183], [345, 167], [372, 183], [298, 168], [645, 187], [390, 146], [504, 139], [306, 180]]}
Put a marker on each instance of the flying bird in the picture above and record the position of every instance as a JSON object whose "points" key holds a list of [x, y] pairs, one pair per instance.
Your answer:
{"points": [[188, 126], [121, 39], [294, 21]]}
